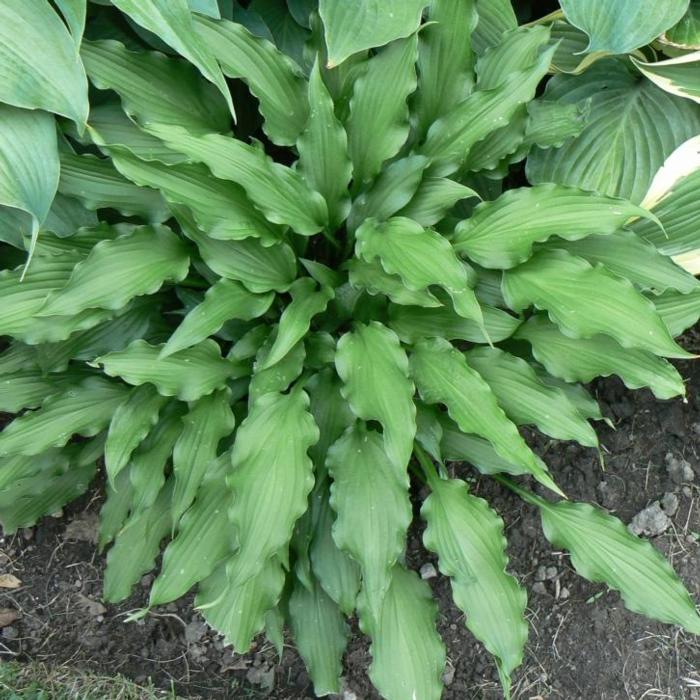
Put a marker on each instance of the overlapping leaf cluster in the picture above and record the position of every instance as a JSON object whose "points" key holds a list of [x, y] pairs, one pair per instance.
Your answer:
{"points": [[257, 324]]}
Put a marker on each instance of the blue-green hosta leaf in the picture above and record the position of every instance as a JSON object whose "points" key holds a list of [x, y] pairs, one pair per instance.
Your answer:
{"points": [[408, 656], [583, 359], [374, 370], [323, 151], [527, 400], [39, 65], [686, 34], [679, 76], [74, 12], [632, 127], [320, 634], [131, 423], [84, 410], [136, 547], [154, 88], [434, 197], [378, 122], [272, 77], [501, 233], [366, 24], [67, 215], [295, 321], [552, 123], [494, 18], [468, 538], [585, 301], [421, 258], [171, 21], [442, 375], [570, 54], [678, 311], [369, 494], [188, 374], [208, 421], [271, 479], [117, 270], [620, 26], [223, 301], [98, 185], [278, 191]]}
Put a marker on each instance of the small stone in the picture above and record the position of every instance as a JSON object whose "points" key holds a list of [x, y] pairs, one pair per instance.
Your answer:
{"points": [[195, 630], [541, 573], [564, 593], [551, 573], [28, 533], [449, 675], [651, 521], [427, 571], [146, 581], [679, 470], [670, 504], [349, 695], [10, 633], [540, 588], [57, 514], [687, 491]]}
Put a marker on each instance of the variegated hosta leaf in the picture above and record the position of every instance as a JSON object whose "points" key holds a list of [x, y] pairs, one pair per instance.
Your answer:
{"points": [[421, 258], [271, 479], [678, 311], [500, 234], [442, 375], [370, 497], [188, 374], [582, 359], [585, 301], [408, 656], [527, 400], [468, 538], [117, 270], [374, 370], [679, 76], [685, 34]]}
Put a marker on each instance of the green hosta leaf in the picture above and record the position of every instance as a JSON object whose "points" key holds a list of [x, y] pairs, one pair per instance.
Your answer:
{"points": [[468, 538], [279, 376], [500, 234], [370, 497], [620, 26], [678, 311], [237, 610], [323, 151], [585, 301], [85, 411], [679, 76], [171, 21], [52, 78], [155, 89], [67, 215], [320, 634], [208, 421], [631, 128], [29, 387], [685, 34], [272, 77], [278, 191], [131, 422], [551, 123], [223, 301], [629, 256], [17, 358], [374, 370], [98, 185], [442, 375], [603, 550], [527, 400], [271, 479], [583, 359], [378, 123], [117, 270], [366, 24], [412, 323], [74, 12], [295, 321], [494, 18], [136, 547], [188, 374], [290, 37], [408, 657], [421, 258], [115, 510], [434, 197], [17, 468]]}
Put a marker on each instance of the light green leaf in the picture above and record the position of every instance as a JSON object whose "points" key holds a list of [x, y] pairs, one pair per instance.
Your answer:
{"points": [[585, 301], [527, 400], [434, 197], [29, 387], [374, 370], [52, 78], [272, 77], [685, 34], [494, 18], [115, 509], [468, 538], [678, 311], [378, 123], [117, 270], [279, 376], [620, 26], [553, 123], [581, 360], [171, 21], [408, 656], [369, 494], [442, 375], [366, 24], [74, 12], [679, 76], [188, 374], [501, 233]]}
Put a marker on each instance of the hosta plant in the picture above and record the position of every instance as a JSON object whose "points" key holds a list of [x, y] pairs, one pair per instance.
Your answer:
{"points": [[277, 270]]}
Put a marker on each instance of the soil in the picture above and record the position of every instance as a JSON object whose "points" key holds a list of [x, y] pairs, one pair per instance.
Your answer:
{"points": [[583, 643]]}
